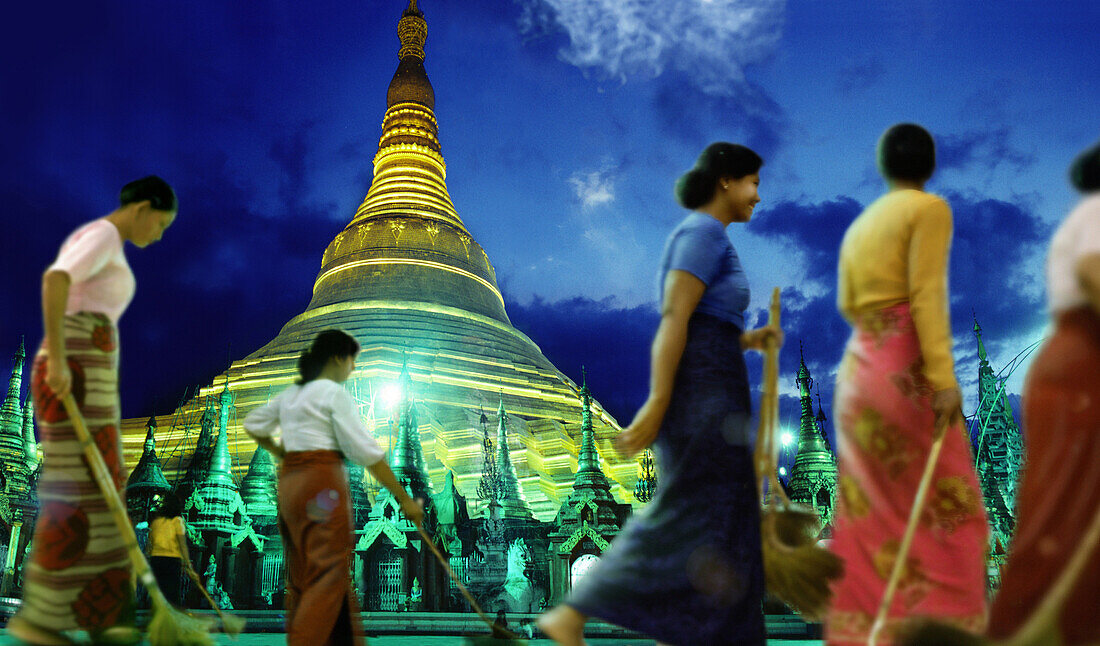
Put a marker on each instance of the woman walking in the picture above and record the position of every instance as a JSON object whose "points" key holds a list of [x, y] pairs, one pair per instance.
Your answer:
{"points": [[78, 577], [687, 569], [320, 425], [896, 391], [1060, 489]]}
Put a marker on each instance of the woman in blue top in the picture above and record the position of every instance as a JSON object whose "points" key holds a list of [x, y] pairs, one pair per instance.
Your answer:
{"points": [[687, 569]]}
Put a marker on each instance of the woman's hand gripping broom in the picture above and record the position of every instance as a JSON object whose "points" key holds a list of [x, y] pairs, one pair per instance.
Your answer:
{"points": [[796, 569], [168, 626]]}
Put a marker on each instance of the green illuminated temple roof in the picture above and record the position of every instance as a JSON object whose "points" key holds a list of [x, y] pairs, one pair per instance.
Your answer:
{"points": [[408, 280]]}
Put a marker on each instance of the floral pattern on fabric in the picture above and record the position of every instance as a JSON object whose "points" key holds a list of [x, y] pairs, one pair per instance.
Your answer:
{"points": [[883, 442], [102, 601], [951, 503], [48, 406], [107, 441], [853, 498], [912, 382], [61, 536], [913, 583], [103, 337]]}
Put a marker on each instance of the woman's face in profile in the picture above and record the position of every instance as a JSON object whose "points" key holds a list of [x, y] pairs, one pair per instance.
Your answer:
{"points": [[743, 196]]}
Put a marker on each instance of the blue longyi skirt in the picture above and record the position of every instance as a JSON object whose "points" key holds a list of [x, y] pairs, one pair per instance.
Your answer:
{"points": [[687, 569]]}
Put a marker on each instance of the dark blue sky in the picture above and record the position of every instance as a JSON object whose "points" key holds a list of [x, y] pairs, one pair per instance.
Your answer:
{"points": [[564, 124]]}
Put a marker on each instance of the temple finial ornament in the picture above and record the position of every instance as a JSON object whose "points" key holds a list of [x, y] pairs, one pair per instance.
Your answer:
{"points": [[413, 31]]}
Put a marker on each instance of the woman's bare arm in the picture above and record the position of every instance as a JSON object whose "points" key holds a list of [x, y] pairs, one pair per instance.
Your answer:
{"points": [[682, 293]]}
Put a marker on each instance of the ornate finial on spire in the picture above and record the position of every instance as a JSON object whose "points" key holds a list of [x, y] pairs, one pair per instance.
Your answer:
{"points": [[820, 411], [412, 29], [978, 333], [803, 378]]}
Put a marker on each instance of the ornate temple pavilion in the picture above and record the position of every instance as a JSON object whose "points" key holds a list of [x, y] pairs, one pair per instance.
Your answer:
{"points": [[409, 281]]}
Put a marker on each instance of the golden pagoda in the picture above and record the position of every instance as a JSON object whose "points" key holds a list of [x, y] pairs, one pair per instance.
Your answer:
{"points": [[410, 282]]}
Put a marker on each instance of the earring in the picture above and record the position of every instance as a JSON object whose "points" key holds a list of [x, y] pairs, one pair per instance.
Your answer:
{"points": [[726, 186]]}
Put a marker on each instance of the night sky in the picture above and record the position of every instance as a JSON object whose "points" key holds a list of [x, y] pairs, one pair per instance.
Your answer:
{"points": [[564, 125]]}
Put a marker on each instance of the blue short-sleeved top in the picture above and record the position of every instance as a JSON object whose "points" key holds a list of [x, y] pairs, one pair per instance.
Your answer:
{"points": [[700, 246]]}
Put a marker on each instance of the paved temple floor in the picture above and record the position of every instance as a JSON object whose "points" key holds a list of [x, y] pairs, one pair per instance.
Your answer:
{"points": [[271, 639]]}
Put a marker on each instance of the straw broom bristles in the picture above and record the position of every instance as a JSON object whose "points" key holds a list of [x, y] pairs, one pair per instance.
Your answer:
{"points": [[168, 626], [796, 569]]}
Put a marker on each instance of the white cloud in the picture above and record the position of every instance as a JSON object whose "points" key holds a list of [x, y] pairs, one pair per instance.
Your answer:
{"points": [[593, 188], [710, 40]]}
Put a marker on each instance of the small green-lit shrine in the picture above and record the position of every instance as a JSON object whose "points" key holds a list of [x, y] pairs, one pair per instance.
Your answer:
{"points": [[813, 478]]}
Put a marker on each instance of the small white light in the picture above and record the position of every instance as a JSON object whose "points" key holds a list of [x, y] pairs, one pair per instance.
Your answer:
{"points": [[390, 395], [782, 471], [786, 439]]}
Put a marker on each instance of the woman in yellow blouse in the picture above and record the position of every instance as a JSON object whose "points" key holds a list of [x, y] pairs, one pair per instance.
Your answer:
{"points": [[896, 391], [168, 551]]}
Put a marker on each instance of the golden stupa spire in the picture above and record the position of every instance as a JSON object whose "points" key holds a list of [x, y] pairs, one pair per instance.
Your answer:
{"points": [[409, 171], [406, 242]]}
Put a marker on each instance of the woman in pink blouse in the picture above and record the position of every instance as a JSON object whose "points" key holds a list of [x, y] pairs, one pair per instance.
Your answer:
{"points": [[79, 573], [1060, 488]]}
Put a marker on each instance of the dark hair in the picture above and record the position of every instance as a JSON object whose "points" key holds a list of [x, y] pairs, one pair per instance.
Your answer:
{"points": [[160, 195], [1084, 173], [906, 151], [170, 506], [327, 344], [720, 159]]}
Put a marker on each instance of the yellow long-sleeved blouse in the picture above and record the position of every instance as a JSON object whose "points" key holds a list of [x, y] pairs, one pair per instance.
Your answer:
{"points": [[897, 251]]}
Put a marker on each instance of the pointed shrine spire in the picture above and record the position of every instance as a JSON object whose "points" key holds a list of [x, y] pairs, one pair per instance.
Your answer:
{"points": [[588, 460], [30, 444], [147, 477], [11, 411], [408, 453], [982, 357], [511, 496]]}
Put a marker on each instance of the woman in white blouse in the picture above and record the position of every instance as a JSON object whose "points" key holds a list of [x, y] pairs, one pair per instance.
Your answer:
{"points": [[1060, 489], [320, 426]]}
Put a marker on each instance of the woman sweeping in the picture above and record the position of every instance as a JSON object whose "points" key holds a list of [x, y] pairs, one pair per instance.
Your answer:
{"points": [[1060, 489], [79, 574], [895, 391], [320, 425], [687, 569], [169, 555]]}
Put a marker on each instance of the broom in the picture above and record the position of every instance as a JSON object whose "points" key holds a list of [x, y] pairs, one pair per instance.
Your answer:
{"points": [[232, 625], [168, 626], [500, 634], [796, 569], [1041, 629]]}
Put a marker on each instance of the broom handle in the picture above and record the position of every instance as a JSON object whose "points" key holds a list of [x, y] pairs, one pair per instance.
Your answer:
{"points": [[906, 540], [106, 484], [194, 576], [767, 457], [466, 593], [1051, 606]]}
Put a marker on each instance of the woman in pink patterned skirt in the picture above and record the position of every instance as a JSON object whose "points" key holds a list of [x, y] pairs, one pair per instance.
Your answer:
{"points": [[896, 391]]}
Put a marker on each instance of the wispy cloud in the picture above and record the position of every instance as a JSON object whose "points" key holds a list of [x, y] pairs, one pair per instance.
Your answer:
{"points": [[699, 49], [986, 148], [593, 188], [711, 39]]}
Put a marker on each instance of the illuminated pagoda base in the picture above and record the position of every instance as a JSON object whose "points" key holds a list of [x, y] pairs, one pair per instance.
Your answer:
{"points": [[406, 278]]}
